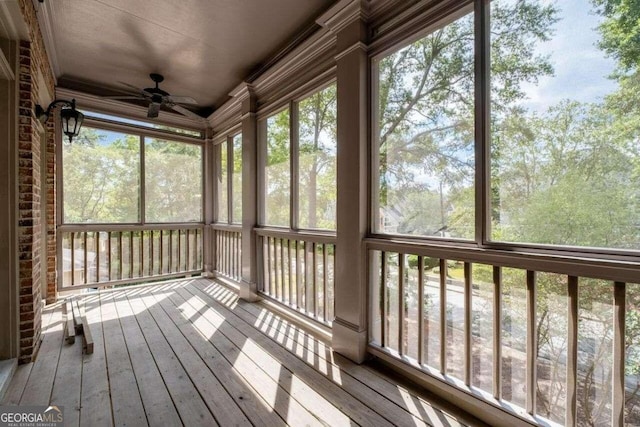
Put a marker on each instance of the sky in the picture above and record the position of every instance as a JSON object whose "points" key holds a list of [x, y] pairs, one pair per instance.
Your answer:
{"points": [[581, 68]]}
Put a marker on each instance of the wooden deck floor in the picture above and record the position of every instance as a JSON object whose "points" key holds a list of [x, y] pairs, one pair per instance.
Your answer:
{"points": [[189, 353]]}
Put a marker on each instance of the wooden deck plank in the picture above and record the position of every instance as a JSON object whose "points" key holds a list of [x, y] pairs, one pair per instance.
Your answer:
{"points": [[296, 339], [16, 386], [328, 384], [155, 398], [371, 398], [242, 389], [126, 402], [21, 376], [67, 384], [214, 395], [38, 388], [231, 341], [193, 411], [95, 398], [277, 389], [268, 368]]}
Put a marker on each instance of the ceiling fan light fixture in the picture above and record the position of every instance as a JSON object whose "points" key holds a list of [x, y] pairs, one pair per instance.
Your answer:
{"points": [[158, 99]]}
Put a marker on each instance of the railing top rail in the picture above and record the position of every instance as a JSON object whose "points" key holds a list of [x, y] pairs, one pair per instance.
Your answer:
{"points": [[128, 227], [615, 270], [226, 227], [309, 236]]}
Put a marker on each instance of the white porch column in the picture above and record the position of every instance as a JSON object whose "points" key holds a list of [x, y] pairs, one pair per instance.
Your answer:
{"points": [[248, 285], [209, 192], [347, 20]]}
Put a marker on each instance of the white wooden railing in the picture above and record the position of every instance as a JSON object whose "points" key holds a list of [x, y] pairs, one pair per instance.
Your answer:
{"points": [[298, 271], [228, 250], [519, 332], [107, 255]]}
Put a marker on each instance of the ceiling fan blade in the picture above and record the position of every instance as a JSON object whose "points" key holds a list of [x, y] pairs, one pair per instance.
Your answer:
{"points": [[181, 99], [153, 111], [124, 97], [180, 109]]}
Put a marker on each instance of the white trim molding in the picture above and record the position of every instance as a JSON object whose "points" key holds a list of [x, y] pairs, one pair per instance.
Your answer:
{"points": [[344, 13], [6, 71], [230, 114], [46, 19]]}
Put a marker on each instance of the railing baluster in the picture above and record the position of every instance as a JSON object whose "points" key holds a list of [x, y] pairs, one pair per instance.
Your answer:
{"points": [[267, 266], [161, 250], [290, 272], [443, 316], [179, 263], [187, 249], [282, 271], [141, 254], [384, 333], [227, 254], [298, 272], [276, 270], [619, 350], [97, 243], [497, 333], [170, 250], [199, 249], [532, 343], [85, 276], [196, 250], [401, 304], [109, 263], [421, 312], [325, 289], [308, 277], [315, 280], [131, 254], [333, 281], [73, 258], [572, 353], [120, 255], [467, 323], [216, 250], [151, 239]]}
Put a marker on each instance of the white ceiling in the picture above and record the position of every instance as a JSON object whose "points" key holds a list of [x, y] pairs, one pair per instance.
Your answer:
{"points": [[204, 48]]}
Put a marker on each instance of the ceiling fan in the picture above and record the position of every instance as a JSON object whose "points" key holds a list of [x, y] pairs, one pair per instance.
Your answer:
{"points": [[158, 98]]}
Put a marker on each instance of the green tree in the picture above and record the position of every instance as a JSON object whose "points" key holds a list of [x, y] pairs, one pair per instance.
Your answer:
{"points": [[426, 109], [317, 148], [101, 179]]}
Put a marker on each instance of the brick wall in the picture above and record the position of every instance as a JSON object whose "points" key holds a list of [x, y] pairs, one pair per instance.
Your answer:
{"points": [[29, 231], [34, 68], [51, 214]]}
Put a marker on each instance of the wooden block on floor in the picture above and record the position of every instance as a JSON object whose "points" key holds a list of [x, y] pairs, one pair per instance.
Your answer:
{"points": [[70, 330], [76, 316], [87, 338]]}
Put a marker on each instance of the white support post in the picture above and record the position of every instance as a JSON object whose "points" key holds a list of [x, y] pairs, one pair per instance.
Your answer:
{"points": [[249, 270], [209, 192], [347, 20]]}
